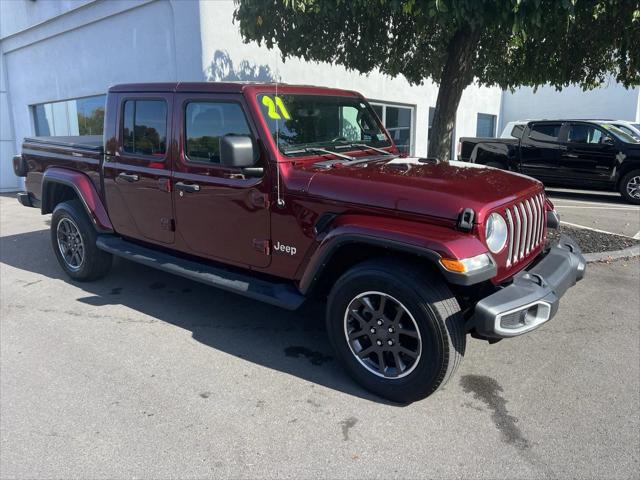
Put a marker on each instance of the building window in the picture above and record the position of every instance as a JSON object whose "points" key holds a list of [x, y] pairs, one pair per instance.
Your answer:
{"points": [[486, 126], [398, 120], [145, 127], [79, 116]]}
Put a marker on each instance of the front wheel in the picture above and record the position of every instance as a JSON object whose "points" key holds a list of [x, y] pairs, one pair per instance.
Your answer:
{"points": [[630, 187], [397, 330], [73, 238]]}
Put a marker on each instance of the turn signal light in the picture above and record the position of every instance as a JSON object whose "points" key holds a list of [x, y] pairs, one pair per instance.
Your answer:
{"points": [[466, 265], [453, 265]]}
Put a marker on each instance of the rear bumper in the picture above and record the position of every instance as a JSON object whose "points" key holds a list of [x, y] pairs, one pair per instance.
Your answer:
{"points": [[533, 297], [26, 199]]}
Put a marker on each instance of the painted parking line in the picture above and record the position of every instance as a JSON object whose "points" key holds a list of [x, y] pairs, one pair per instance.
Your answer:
{"points": [[599, 204], [596, 208], [584, 227]]}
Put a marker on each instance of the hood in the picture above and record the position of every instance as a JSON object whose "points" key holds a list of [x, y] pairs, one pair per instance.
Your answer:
{"points": [[422, 187]]}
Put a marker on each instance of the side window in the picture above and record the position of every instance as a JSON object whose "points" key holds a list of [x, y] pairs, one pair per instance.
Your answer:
{"points": [[582, 133], [144, 129], [545, 132], [517, 130], [206, 123]]}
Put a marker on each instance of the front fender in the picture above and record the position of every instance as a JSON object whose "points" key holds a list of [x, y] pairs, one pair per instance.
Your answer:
{"points": [[421, 239], [85, 191]]}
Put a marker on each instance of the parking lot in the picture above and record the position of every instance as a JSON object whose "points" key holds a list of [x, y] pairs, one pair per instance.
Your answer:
{"points": [[144, 374], [605, 211]]}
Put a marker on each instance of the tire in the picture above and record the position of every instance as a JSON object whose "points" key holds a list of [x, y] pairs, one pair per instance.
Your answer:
{"points": [[630, 187], [430, 310], [71, 224]]}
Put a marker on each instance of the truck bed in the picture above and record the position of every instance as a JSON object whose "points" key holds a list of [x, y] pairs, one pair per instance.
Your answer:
{"points": [[84, 142], [83, 154], [486, 150]]}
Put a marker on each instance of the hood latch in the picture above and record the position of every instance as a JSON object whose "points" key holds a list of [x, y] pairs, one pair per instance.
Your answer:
{"points": [[465, 219]]}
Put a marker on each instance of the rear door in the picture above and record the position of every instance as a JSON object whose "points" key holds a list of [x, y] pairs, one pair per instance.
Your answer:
{"points": [[540, 149], [220, 213], [590, 154], [137, 176]]}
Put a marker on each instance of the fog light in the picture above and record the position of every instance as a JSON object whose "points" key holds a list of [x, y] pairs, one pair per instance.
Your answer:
{"points": [[525, 317]]}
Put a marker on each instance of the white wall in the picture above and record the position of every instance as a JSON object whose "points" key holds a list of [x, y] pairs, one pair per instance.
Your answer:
{"points": [[221, 37], [611, 101], [57, 50], [91, 47], [18, 15], [8, 181]]}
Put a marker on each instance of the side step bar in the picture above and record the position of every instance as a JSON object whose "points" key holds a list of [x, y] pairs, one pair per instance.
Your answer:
{"points": [[281, 295]]}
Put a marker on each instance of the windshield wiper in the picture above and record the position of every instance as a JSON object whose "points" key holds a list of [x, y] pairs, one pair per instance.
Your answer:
{"points": [[365, 147], [319, 150]]}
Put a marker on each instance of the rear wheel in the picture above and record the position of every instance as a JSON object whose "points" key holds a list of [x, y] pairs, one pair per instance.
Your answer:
{"points": [[630, 187], [398, 331], [73, 238]]}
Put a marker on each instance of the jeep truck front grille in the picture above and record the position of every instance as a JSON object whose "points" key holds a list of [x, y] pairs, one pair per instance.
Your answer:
{"points": [[526, 222]]}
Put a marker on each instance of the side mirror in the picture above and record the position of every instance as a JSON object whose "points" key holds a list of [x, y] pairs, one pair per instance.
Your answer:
{"points": [[237, 151]]}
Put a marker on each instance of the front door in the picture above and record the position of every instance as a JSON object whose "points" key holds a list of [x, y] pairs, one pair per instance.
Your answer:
{"points": [[220, 214], [590, 155], [137, 176]]}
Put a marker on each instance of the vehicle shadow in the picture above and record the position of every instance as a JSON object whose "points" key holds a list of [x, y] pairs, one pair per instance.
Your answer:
{"points": [[291, 342], [586, 196]]}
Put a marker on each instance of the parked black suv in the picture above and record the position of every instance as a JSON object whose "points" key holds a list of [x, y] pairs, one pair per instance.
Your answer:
{"points": [[569, 153]]}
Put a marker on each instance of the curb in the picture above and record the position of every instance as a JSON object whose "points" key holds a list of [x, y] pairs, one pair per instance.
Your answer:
{"points": [[629, 252]]}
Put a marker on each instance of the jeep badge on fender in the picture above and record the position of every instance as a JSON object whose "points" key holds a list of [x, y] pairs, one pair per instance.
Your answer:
{"points": [[278, 247]]}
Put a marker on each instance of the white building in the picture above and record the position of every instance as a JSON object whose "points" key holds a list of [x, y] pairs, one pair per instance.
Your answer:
{"points": [[611, 101], [58, 59]]}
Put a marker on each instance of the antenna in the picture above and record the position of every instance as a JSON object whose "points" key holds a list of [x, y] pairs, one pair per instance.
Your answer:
{"points": [[279, 200]]}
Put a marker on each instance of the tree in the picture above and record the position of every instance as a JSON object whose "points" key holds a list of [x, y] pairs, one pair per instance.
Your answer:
{"points": [[507, 43]]}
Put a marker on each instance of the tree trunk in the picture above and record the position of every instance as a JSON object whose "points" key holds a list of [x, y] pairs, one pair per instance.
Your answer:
{"points": [[456, 75]]}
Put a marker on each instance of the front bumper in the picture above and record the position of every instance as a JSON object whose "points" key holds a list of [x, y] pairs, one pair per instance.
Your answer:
{"points": [[534, 295]]}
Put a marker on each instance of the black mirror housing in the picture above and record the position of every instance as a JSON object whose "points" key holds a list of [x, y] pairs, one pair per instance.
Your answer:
{"points": [[237, 151]]}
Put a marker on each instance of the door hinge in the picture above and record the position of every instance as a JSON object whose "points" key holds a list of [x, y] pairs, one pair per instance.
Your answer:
{"points": [[263, 246], [168, 224]]}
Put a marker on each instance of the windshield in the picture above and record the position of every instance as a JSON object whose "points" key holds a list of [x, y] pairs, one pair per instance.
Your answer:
{"points": [[301, 121], [630, 131], [620, 134]]}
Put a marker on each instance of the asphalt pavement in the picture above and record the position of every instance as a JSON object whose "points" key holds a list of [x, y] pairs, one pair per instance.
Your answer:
{"points": [[148, 375]]}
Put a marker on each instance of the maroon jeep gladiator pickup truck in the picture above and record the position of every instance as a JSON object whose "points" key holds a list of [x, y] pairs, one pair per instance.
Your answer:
{"points": [[280, 193]]}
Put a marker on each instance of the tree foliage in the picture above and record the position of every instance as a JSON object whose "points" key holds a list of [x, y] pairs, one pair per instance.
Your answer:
{"points": [[507, 43]]}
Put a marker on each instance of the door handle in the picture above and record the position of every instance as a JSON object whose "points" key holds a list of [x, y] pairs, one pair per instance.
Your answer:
{"points": [[188, 187], [129, 177]]}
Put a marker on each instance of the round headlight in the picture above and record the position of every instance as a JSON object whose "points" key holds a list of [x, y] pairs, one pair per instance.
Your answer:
{"points": [[496, 232]]}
